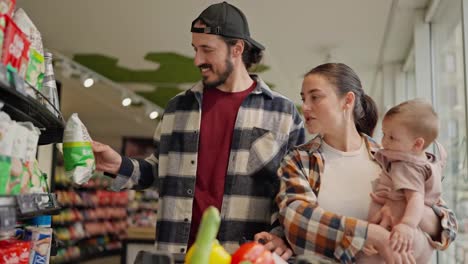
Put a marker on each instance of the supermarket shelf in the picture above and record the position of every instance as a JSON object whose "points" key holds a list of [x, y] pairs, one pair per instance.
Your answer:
{"points": [[22, 107], [99, 254], [7, 213], [70, 223], [31, 205], [76, 187], [93, 206], [136, 232], [24, 206], [37, 204], [7, 201], [77, 241], [51, 211]]}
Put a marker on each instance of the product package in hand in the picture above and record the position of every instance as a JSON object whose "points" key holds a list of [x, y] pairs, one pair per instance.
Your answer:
{"points": [[77, 151]]}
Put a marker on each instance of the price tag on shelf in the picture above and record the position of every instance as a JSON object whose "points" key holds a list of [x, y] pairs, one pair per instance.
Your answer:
{"points": [[7, 218], [26, 203], [7, 213], [37, 203]]}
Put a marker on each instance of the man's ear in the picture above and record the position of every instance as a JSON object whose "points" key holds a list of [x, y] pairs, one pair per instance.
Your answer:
{"points": [[419, 144], [238, 48]]}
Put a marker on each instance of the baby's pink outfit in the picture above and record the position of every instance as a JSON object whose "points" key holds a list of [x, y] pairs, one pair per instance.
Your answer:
{"points": [[406, 171]]}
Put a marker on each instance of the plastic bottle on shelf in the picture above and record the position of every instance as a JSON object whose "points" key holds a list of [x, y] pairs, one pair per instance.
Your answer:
{"points": [[49, 87]]}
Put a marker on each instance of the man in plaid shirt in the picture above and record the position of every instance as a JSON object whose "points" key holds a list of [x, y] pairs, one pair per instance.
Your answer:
{"points": [[219, 143]]}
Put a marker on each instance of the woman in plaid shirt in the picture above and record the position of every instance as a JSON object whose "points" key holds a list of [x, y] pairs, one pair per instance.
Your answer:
{"points": [[325, 183]]}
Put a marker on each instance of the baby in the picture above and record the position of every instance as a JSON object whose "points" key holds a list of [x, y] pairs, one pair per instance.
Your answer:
{"points": [[411, 177]]}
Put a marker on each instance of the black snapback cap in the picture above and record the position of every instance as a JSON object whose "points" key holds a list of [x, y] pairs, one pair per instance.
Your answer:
{"points": [[225, 20]]}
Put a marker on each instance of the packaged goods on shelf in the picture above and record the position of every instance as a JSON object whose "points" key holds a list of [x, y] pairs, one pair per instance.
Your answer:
{"points": [[7, 7], [94, 219], [20, 171], [14, 251], [41, 239], [25, 122], [35, 69], [49, 86], [15, 52], [6, 148], [16, 183]]}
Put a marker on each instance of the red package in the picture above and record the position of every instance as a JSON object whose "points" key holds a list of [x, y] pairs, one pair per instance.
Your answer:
{"points": [[7, 6], [15, 50], [14, 251]]}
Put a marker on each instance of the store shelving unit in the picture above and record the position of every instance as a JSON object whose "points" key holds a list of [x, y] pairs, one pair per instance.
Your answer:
{"points": [[22, 106], [143, 205], [93, 221]]}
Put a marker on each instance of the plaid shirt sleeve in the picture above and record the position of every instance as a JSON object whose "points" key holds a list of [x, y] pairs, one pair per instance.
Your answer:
{"points": [[310, 229], [448, 220], [449, 226], [296, 137], [139, 174]]}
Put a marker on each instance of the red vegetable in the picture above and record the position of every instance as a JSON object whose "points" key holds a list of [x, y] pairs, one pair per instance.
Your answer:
{"points": [[252, 252]]}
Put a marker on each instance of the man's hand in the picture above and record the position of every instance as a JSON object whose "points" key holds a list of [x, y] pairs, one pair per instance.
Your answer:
{"points": [[401, 237], [274, 244], [107, 159]]}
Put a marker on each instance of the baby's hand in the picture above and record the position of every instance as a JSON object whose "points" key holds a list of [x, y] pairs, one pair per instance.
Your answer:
{"points": [[401, 237]]}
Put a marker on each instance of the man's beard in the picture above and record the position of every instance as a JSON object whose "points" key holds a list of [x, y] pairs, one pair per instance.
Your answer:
{"points": [[221, 77]]}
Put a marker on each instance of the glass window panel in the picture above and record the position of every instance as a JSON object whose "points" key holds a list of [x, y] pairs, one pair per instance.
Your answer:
{"points": [[449, 101]]}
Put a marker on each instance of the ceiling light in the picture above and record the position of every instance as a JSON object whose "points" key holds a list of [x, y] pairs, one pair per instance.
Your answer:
{"points": [[126, 101], [153, 114], [88, 82]]}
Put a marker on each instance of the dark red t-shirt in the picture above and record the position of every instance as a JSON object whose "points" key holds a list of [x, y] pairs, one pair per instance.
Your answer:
{"points": [[219, 113]]}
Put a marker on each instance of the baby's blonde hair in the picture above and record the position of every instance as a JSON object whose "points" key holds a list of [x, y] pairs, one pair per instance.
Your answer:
{"points": [[419, 117]]}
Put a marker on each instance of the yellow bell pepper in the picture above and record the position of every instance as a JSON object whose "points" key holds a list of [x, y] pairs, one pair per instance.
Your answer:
{"points": [[206, 249], [218, 254]]}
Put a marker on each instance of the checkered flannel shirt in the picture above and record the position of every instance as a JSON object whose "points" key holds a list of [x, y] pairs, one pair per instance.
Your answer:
{"points": [[312, 230]]}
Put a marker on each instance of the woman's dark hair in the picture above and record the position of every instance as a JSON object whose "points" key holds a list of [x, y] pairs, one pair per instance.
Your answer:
{"points": [[346, 80], [251, 54]]}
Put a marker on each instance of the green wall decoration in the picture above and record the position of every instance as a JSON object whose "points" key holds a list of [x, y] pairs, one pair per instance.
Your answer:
{"points": [[174, 69]]}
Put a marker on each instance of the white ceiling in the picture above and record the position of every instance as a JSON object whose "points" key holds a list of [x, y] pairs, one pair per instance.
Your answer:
{"points": [[298, 35]]}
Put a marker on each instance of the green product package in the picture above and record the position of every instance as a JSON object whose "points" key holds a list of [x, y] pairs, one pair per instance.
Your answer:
{"points": [[16, 185], [5, 168], [77, 154], [37, 183], [35, 70], [77, 151], [7, 132]]}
